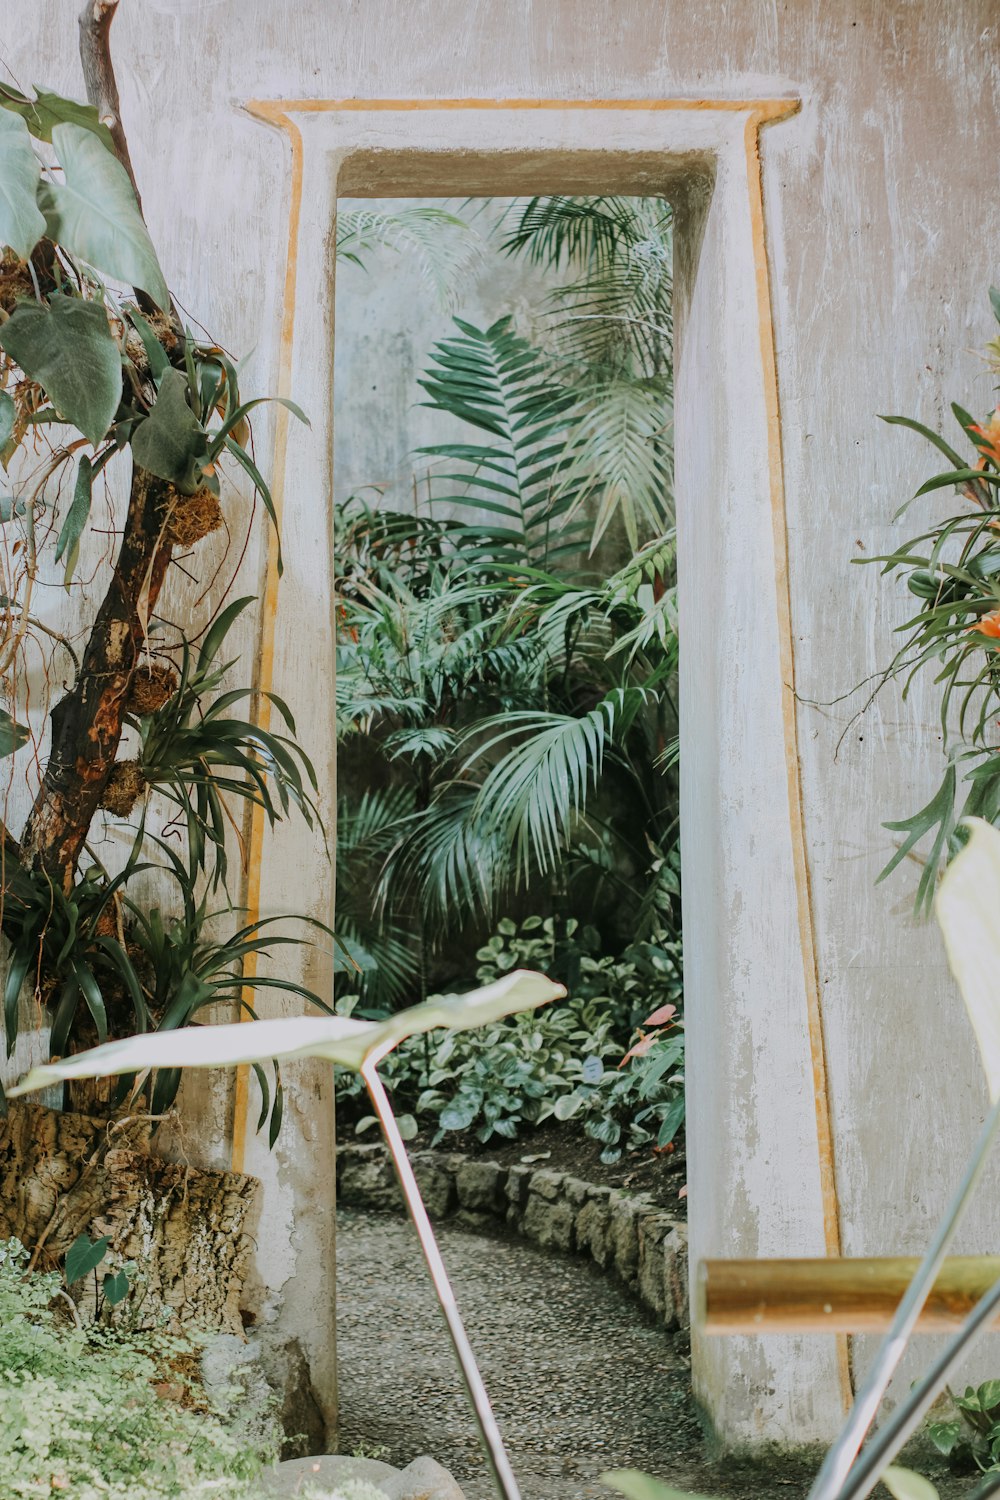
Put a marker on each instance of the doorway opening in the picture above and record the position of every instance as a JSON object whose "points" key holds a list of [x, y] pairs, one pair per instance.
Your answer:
{"points": [[507, 662]]}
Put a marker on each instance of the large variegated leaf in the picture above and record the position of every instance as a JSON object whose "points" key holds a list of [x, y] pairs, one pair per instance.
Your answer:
{"points": [[95, 216], [968, 909], [338, 1039], [21, 222]]}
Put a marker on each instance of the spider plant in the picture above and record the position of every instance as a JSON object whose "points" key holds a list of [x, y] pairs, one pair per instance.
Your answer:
{"points": [[200, 755]]}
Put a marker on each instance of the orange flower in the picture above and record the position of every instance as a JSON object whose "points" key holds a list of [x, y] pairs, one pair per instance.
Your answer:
{"points": [[989, 625], [990, 435]]}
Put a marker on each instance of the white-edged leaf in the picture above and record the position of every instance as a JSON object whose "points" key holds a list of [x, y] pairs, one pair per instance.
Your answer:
{"points": [[94, 214], [338, 1039], [904, 1484], [68, 348], [968, 911], [22, 223]]}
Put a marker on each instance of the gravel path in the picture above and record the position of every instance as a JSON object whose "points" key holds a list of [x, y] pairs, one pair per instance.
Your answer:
{"points": [[580, 1381]]}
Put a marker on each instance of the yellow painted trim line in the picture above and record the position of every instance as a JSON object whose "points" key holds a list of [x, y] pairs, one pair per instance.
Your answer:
{"points": [[759, 112]]}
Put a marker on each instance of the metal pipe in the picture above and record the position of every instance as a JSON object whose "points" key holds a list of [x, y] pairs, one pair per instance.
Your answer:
{"points": [[489, 1432]]}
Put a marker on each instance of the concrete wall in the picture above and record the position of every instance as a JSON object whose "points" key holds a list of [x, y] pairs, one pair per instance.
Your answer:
{"points": [[881, 233]]}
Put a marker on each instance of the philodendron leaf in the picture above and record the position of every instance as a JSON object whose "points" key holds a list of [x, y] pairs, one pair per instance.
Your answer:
{"points": [[638, 1486], [79, 512], [904, 1484], [968, 910], [171, 442], [338, 1039], [12, 735], [46, 110], [68, 348], [94, 214], [21, 221], [84, 1256]]}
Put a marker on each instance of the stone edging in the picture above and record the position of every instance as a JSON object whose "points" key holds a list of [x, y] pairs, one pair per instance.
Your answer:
{"points": [[623, 1233]]}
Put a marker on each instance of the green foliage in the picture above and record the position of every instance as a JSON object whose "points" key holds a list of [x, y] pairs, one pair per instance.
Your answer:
{"points": [[79, 1410], [495, 381], [67, 346], [612, 330], [563, 1062], [517, 729], [198, 754], [442, 246], [22, 222], [93, 214], [972, 1440], [953, 569]]}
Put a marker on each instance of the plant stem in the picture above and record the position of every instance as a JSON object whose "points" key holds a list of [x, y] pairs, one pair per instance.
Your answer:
{"points": [[837, 1464], [489, 1432]]}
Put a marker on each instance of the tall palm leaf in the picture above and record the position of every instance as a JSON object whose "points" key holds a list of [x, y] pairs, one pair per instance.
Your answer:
{"points": [[497, 382]]}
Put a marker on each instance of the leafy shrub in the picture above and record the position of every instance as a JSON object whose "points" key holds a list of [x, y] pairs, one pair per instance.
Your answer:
{"points": [[80, 1412], [973, 1437], [565, 1062]]}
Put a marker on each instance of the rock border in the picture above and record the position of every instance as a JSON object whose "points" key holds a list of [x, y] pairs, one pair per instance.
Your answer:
{"points": [[624, 1234]]}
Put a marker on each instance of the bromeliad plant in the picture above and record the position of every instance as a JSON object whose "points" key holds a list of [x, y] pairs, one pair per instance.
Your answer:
{"points": [[360, 1046], [953, 570], [99, 377]]}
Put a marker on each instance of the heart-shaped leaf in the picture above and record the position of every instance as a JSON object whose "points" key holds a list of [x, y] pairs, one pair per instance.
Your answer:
{"points": [[68, 347], [94, 215], [968, 910], [47, 110], [84, 1256], [116, 1288], [21, 221], [171, 442], [338, 1039]]}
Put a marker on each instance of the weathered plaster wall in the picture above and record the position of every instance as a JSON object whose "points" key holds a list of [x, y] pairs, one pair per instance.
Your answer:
{"points": [[882, 236]]}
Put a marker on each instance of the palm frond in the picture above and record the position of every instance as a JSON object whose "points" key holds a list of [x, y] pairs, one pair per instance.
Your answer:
{"points": [[542, 781], [444, 248], [497, 382]]}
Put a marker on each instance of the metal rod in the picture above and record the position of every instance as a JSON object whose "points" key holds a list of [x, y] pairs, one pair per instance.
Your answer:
{"points": [[866, 1472], [841, 1456], [489, 1432], [857, 1294]]}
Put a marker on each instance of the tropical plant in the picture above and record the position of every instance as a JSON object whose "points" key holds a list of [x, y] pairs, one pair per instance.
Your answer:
{"points": [[96, 378], [360, 1046], [953, 570], [566, 1063], [518, 735], [444, 248], [611, 328]]}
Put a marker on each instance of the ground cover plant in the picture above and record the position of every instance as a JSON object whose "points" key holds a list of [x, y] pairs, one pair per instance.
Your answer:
{"points": [[97, 1411]]}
